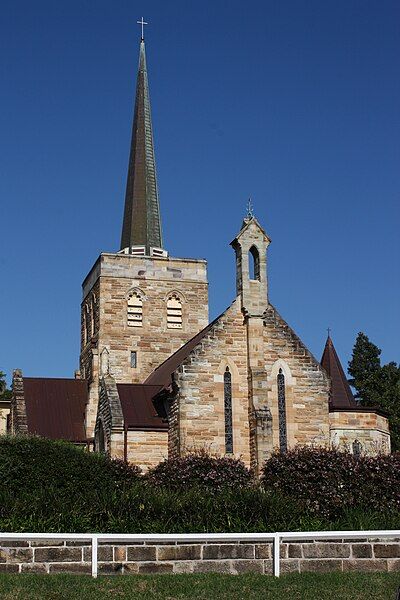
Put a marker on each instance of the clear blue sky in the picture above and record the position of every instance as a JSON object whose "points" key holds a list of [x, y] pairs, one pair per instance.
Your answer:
{"points": [[295, 103]]}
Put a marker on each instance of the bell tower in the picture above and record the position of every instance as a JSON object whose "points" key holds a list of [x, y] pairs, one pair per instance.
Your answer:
{"points": [[250, 246]]}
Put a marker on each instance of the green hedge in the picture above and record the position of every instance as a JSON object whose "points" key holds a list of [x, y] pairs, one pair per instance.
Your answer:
{"points": [[50, 486]]}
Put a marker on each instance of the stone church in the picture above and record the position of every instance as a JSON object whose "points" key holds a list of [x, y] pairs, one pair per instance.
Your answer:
{"points": [[158, 380]]}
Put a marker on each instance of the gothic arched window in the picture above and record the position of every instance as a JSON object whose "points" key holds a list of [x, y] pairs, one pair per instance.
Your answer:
{"points": [[357, 449], [254, 263], [228, 411], [135, 310], [87, 323], [282, 411], [174, 312], [93, 314]]}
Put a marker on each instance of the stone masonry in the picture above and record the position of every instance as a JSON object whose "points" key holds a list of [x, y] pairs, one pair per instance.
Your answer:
{"points": [[363, 555]]}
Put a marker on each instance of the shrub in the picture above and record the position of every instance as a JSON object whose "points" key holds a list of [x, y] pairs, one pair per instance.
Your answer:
{"points": [[201, 469], [330, 482]]}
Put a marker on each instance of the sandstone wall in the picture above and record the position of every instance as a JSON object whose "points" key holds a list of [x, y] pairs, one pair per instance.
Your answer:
{"points": [[306, 384], [201, 389], [368, 428], [147, 448], [154, 280], [235, 558]]}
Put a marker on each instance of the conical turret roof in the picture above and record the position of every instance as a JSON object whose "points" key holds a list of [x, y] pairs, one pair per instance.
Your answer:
{"points": [[340, 394]]}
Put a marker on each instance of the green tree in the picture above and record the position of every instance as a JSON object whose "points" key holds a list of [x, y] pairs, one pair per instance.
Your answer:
{"points": [[5, 394], [376, 385]]}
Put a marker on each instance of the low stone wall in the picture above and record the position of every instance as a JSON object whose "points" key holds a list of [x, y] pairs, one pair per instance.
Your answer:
{"points": [[53, 556]]}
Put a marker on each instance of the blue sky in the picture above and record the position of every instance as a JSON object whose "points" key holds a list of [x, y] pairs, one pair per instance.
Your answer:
{"points": [[294, 103]]}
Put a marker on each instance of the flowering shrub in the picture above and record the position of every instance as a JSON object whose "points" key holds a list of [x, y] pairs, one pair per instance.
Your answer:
{"points": [[330, 482], [201, 469]]}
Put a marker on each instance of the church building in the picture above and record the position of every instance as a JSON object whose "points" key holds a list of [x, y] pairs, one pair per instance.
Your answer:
{"points": [[158, 380]]}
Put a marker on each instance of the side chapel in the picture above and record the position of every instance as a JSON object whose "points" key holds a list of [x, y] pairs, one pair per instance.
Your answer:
{"points": [[158, 380]]}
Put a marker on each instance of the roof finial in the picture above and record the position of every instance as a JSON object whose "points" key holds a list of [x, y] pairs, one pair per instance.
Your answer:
{"points": [[250, 212], [142, 22], [329, 332]]}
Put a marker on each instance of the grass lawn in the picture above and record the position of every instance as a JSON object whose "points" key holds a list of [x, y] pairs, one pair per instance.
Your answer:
{"points": [[307, 586]]}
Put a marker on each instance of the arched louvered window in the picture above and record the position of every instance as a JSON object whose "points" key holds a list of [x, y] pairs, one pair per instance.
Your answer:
{"points": [[135, 310], [282, 411], [228, 411], [174, 312], [254, 264]]}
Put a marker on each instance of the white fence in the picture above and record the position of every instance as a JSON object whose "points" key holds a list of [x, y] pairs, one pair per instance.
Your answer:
{"points": [[275, 538]]}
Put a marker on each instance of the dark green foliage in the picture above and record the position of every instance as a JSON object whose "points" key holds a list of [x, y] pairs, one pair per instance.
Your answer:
{"points": [[200, 468], [375, 385], [5, 394], [332, 484], [51, 486]]}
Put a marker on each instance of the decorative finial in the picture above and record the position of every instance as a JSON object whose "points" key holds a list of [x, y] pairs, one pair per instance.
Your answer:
{"points": [[250, 212], [142, 22], [329, 332]]}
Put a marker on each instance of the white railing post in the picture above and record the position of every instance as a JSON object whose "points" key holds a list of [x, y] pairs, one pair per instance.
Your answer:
{"points": [[94, 556], [277, 554]]}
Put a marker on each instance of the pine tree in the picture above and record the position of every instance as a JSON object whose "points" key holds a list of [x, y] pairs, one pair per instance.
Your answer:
{"points": [[375, 385], [364, 369]]}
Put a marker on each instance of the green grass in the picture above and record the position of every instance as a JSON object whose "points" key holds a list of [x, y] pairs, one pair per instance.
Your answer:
{"points": [[306, 586]]}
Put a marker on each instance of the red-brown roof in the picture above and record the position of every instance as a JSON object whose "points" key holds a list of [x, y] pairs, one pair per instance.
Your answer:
{"points": [[137, 406], [162, 374], [55, 408], [340, 394]]}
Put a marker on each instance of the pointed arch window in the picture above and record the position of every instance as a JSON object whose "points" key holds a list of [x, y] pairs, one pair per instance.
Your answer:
{"points": [[228, 411], [135, 310], [357, 448], [254, 263], [174, 312], [282, 411], [87, 323], [93, 315]]}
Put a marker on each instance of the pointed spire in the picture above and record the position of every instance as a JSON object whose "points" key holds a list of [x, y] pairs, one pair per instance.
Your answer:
{"points": [[142, 224], [340, 393]]}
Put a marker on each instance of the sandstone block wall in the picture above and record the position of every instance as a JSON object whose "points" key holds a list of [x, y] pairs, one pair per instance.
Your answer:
{"points": [[147, 448], [306, 384], [369, 428], [201, 389], [235, 558]]}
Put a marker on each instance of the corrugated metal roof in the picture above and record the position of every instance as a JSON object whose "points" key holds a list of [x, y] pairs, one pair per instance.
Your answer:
{"points": [[55, 408], [340, 395], [137, 406]]}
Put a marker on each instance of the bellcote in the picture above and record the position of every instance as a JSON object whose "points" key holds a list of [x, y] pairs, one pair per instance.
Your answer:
{"points": [[251, 246]]}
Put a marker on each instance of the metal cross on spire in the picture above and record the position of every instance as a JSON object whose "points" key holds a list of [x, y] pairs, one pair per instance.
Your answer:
{"points": [[142, 22], [250, 211]]}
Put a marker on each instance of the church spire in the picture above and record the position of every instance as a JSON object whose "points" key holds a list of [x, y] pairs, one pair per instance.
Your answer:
{"points": [[141, 228]]}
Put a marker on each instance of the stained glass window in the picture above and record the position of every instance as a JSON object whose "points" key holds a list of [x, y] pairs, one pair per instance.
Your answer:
{"points": [[228, 411], [357, 449], [282, 412]]}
